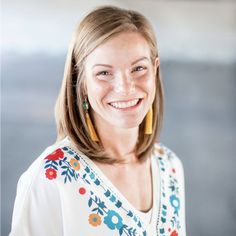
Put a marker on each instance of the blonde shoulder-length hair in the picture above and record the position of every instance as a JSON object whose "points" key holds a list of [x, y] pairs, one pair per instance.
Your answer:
{"points": [[97, 27]]}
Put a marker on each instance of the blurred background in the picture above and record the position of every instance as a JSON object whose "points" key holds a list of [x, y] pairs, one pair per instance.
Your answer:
{"points": [[197, 45]]}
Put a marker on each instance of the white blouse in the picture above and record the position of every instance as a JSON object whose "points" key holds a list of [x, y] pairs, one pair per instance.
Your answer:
{"points": [[64, 193]]}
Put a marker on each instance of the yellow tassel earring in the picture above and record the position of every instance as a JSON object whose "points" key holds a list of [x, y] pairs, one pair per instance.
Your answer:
{"points": [[89, 123], [148, 122]]}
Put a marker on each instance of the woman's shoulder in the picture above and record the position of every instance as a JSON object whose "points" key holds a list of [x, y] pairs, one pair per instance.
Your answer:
{"points": [[48, 166], [165, 154]]}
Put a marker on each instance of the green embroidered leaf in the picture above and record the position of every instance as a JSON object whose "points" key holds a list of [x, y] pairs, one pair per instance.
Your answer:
{"points": [[97, 182], [64, 172], [100, 211], [64, 167], [107, 193], [47, 166], [118, 204], [95, 209], [70, 152], [90, 202], [121, 230], [87, 169], [130, 214], [69, 178], [55, 163], [54, 167], [71, 172]]}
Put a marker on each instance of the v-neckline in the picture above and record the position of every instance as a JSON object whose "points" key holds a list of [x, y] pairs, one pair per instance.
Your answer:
{"points": [[156, 187]]}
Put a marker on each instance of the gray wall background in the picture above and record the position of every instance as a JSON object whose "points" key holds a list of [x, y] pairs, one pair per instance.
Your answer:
{"points": [[197, 43]]}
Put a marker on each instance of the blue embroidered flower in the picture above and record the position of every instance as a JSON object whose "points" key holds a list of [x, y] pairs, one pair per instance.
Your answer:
{"points": [[113, 220], [175, 202]]}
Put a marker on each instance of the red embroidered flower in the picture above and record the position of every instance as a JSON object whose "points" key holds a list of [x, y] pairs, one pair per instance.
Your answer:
{"points": [[82, 191], [56, 155], [174, 233], [51, 173]]}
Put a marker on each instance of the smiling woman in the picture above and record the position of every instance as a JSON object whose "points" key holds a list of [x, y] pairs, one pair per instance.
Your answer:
{"points": [[121, 90], [107, 173]]}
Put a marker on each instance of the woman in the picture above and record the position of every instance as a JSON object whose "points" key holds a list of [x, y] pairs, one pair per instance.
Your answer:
{"points": [[106, 174]]}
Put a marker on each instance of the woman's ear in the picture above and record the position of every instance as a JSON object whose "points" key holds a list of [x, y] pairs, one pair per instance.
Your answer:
{"points": [[156, 64]]}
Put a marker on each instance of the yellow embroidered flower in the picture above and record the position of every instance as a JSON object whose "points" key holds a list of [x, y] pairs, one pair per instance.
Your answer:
{"points": [[94, 219], [75, 164]]}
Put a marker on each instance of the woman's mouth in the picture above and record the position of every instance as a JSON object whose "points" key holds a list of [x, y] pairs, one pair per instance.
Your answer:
{"points": [[124, 105]]}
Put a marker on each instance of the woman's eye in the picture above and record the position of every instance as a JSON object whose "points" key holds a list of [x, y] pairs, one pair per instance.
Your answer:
{"points": [[139, 68], [104, 73]]}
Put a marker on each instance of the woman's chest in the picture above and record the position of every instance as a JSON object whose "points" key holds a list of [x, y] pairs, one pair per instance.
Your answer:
{"points": [[135, 184]]}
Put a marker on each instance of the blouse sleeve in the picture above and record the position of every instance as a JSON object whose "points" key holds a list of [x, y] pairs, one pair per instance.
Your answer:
{"points": [[37, 208]]}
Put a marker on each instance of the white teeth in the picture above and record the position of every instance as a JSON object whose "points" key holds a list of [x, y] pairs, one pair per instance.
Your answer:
{"points": [[124, 104]]}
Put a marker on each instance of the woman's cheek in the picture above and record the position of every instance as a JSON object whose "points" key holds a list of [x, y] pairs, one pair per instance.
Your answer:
{"points": [[148, 83], [100, 90]]}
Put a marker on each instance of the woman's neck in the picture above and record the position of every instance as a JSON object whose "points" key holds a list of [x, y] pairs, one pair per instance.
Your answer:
{"points": [[119, 142]]}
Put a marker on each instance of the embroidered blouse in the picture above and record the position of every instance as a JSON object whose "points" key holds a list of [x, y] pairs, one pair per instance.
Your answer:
{"points": [[64, 193]]}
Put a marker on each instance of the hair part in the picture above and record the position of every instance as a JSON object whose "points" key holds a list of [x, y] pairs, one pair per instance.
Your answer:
{"points": [[96, 28]]}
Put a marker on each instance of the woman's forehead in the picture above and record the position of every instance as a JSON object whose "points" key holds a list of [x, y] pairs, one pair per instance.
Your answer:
{"points": [[127, 47]]}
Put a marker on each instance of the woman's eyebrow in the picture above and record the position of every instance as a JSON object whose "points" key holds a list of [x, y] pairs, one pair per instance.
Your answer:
{"points": [[102, 65], [134, 62], [140, 59]]}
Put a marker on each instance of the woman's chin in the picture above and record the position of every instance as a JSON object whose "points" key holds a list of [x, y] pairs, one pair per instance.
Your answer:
{"points": [[127, 124]]}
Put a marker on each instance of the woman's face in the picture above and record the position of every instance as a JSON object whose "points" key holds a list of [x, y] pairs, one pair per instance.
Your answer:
{"points": [[121, 81]]}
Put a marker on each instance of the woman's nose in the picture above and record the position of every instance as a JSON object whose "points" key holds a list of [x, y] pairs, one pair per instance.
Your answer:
{"points": [[124, 84]]}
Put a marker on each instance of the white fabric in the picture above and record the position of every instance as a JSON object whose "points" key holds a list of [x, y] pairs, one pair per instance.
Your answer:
{"points": [[64, 193], [145, 216]]}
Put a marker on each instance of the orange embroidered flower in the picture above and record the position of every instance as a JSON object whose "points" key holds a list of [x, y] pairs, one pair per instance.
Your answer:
{"points": [[75, 164], [56, 155], [51, 173], [94, 219]]}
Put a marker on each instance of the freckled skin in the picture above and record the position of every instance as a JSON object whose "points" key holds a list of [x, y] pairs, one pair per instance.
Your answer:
{"points": [[119, 52]]}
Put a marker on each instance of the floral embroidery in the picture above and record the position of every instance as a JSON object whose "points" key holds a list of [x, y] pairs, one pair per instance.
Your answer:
{"points": [[82, 191], [94, 219], [175, 203], [75, 164], [56, 155], [57, 158], [173, 200], [174, 233], [113, 220], [51, 173], [71, 169]]}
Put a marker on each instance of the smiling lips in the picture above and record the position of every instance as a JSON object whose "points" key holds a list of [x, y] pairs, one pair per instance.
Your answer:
{"points": [[122, 105]]}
